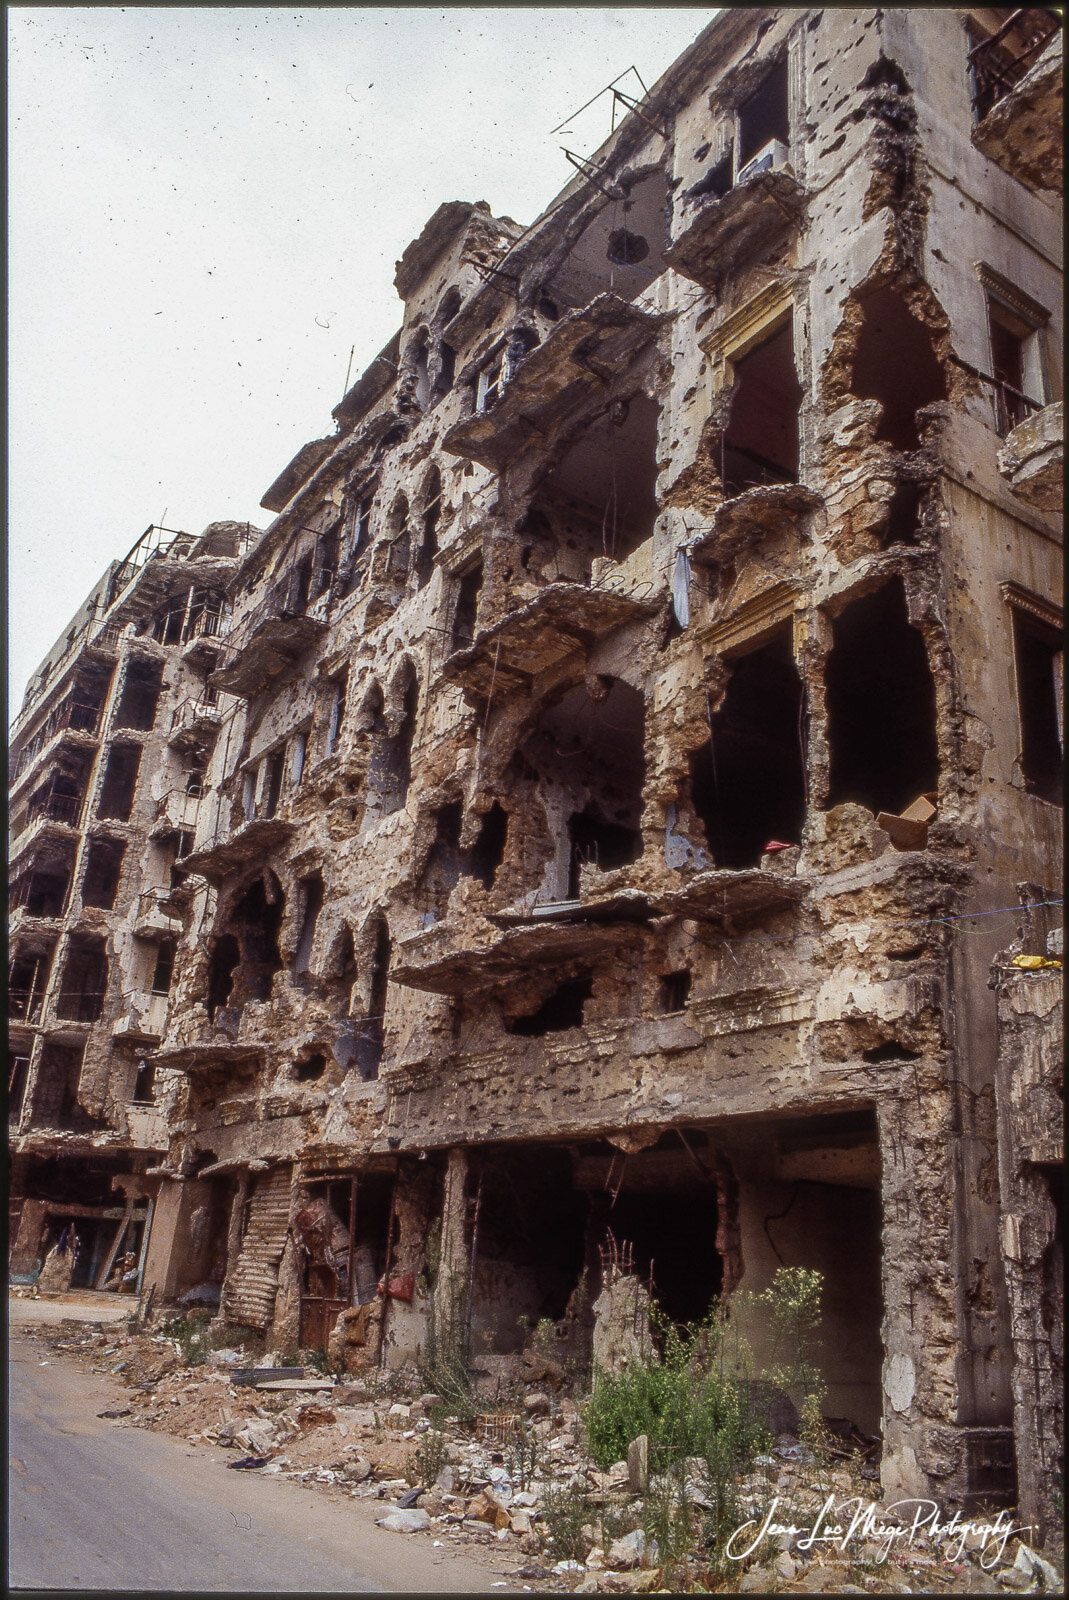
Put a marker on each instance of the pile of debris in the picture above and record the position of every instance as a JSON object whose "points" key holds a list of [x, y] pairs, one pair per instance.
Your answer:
{"points": [[522, 1485]]}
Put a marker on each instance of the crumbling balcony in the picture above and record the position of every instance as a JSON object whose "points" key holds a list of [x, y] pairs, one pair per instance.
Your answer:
{"points": [[252, 841], [442, 960], [585, 350], [562, 620], [738, 228], [1033, 457], [268, 642], [195, 723], [73, 724], [1017, 98], [176, 813], [741, 523], [143, 1020], [158, 916]]}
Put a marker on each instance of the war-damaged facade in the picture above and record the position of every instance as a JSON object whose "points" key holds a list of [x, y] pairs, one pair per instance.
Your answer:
{"points": [[633, 729], [108, 755]]}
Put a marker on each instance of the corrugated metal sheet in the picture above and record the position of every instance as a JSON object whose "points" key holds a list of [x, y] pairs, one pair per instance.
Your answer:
{"points": [[251, 1286]]}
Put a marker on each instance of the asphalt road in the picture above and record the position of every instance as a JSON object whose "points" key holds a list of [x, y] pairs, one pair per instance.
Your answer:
{"points": [[93, 1506]]}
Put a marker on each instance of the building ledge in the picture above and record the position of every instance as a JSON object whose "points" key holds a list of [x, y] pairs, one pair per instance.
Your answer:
{"points": [[584, 351], [202, 1055], [1032, 460], [269, 649], [563, 619], [742, 226], [71, 738], [731, 897], [255, 838], [742, 522], [22, 921], [43, 828], [442, 960]]}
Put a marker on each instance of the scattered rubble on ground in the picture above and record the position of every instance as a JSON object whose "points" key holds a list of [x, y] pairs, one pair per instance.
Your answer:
{"points": [[364, 1442]]}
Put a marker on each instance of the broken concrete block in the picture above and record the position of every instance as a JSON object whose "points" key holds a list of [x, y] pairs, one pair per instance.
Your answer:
{"points": [[638, 1464], [628, 1551], [405, 1521]]}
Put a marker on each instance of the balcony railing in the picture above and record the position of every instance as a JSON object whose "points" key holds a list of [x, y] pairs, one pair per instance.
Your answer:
{"points": [[78, 716], [56, 808], [1000, 62], [1010, 405]]}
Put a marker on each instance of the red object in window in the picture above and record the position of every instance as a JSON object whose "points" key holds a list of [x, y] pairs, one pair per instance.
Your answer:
{"points": [[402, 1288]]}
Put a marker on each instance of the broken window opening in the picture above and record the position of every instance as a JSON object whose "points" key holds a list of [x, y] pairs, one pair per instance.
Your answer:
{"points": [[44, 889], [195, 770], [904, 516], [432, 510], [17, 1077], [880, 698], [748, 783], [674, 990], [310, 1068], [447, 368], [337, 711], [1016, 365], [466, 610], [298, 746], [140, 695], [28, 976], [103, 870], [488, 384], [419, 359], [718, 180], [370, 1037], [120, 782], [590, 757], [400, 543], [595, 842], [488, 851], [763, 118], [248, 795], [895, 363], [342, 969], [560, 1010], [271, 788], [326, 561], [761, 442], [163, 971], [444, 862], [167, 628], [144, 1090], [85, 980], [225, 956], [671, 1232], [301, 584], [55, 1098], [1038, 660], [312, 894], [61, 797], [256, 920], [601, 497]]}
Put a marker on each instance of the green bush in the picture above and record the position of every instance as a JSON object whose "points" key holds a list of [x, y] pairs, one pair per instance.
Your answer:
{"points": [[190, 1333]]}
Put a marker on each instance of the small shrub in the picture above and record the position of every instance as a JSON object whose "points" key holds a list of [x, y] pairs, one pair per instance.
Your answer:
{"points": [[565, 1512], [190, 1333], [432, 1453]]}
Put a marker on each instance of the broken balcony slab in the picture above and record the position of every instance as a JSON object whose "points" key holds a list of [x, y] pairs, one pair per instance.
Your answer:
{"points": [[297, 472], [201, 1055], [1032, 460], [561, 620], [740, 228], [269, 649], [741, 522], [731, 897], [195, 723], [584, 352], [438, 960], [254, 839], [627, 905]]}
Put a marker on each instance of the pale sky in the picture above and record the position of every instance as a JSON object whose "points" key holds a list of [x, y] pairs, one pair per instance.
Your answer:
{"points": [[205, 209]]}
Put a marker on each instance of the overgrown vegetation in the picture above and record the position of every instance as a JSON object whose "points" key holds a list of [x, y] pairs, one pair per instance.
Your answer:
{"points": [[704, 1406], [190, 1333]]}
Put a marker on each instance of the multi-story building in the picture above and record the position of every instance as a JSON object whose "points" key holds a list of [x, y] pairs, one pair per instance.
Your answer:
{"points": [[636, 725], [108, 755]]}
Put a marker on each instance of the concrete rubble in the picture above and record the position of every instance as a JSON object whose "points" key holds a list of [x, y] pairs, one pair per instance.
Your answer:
{"points": [[568, 861], [347, 1446]]}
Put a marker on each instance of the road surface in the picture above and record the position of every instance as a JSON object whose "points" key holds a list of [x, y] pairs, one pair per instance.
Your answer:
{"points": [[93, 1506]]}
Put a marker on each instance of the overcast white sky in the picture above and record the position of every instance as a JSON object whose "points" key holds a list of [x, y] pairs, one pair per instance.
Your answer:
{"points": [[206, 205]]}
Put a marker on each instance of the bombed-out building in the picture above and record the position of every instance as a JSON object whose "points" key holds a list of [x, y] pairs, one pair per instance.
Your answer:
{"points": [[108, 755], [632, 741]]}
